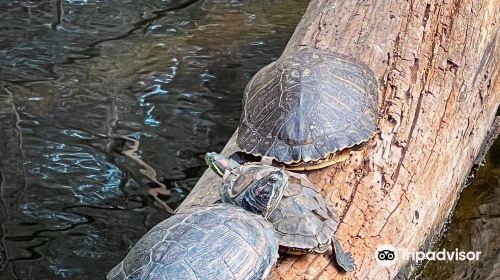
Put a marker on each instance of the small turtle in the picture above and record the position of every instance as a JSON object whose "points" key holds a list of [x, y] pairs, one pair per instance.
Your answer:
{"points": [[308, 109], [304, 221], [215, 242]]}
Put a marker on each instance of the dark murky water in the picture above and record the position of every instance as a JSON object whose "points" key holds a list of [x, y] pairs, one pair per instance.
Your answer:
{"points": [[106, 108], [105, 103]]}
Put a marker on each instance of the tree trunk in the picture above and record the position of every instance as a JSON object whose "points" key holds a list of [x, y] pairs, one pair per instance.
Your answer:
{"points": [[438, 70]]}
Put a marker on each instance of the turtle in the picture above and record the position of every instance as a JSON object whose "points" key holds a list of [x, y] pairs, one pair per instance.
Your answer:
{"points": [[304, 220], [308, 109], [221, 241]]}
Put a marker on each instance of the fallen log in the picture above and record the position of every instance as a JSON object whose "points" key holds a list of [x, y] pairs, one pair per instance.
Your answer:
{"points": [[437, 63]]}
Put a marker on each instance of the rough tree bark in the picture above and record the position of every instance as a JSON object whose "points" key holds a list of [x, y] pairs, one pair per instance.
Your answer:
{"points": [[438, 68]]}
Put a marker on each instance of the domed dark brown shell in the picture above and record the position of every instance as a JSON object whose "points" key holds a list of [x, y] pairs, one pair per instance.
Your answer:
{"points": [[308, 105], [213, 242]]}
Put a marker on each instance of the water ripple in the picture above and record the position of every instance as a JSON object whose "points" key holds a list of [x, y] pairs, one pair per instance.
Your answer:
{"points": [[106, 111]]}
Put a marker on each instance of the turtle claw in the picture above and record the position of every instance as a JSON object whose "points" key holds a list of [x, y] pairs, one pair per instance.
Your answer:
{"points": [[344, 259]]}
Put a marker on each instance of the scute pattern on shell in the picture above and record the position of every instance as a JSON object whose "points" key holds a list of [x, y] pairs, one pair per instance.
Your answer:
{"points": [[304, 219], [216, 242], [307, 105]]}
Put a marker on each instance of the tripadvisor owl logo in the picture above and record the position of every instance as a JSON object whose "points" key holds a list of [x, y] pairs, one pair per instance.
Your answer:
{"points": [[387, 255]]}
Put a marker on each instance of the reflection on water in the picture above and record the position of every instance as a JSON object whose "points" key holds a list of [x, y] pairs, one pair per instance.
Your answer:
{"points": [[107, 107], [106, 110], [475, 226]]}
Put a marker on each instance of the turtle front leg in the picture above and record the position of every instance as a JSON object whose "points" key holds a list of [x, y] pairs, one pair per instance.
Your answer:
{"points": [[344, 259]]}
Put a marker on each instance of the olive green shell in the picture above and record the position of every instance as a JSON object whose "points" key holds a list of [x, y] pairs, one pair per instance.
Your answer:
{"points": [[308, 105]]}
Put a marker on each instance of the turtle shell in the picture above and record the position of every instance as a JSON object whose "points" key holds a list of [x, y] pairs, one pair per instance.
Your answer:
{"points": [[308, 105], [216, 242], [304, 221]]}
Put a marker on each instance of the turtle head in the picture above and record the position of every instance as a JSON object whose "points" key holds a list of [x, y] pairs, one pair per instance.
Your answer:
{"points": [[219, 163], [264, 195], [258, 192]]}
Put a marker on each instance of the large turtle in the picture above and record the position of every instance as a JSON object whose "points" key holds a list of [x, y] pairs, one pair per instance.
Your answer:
{"points": [[304, 221], [215, 242], [308, 109]]}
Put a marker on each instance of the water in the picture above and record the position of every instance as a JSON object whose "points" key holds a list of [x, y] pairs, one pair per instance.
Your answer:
{"points": [[106, 110]]}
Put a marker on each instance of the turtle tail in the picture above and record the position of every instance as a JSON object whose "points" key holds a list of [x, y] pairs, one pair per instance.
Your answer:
{"points": [[344, 259]]}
